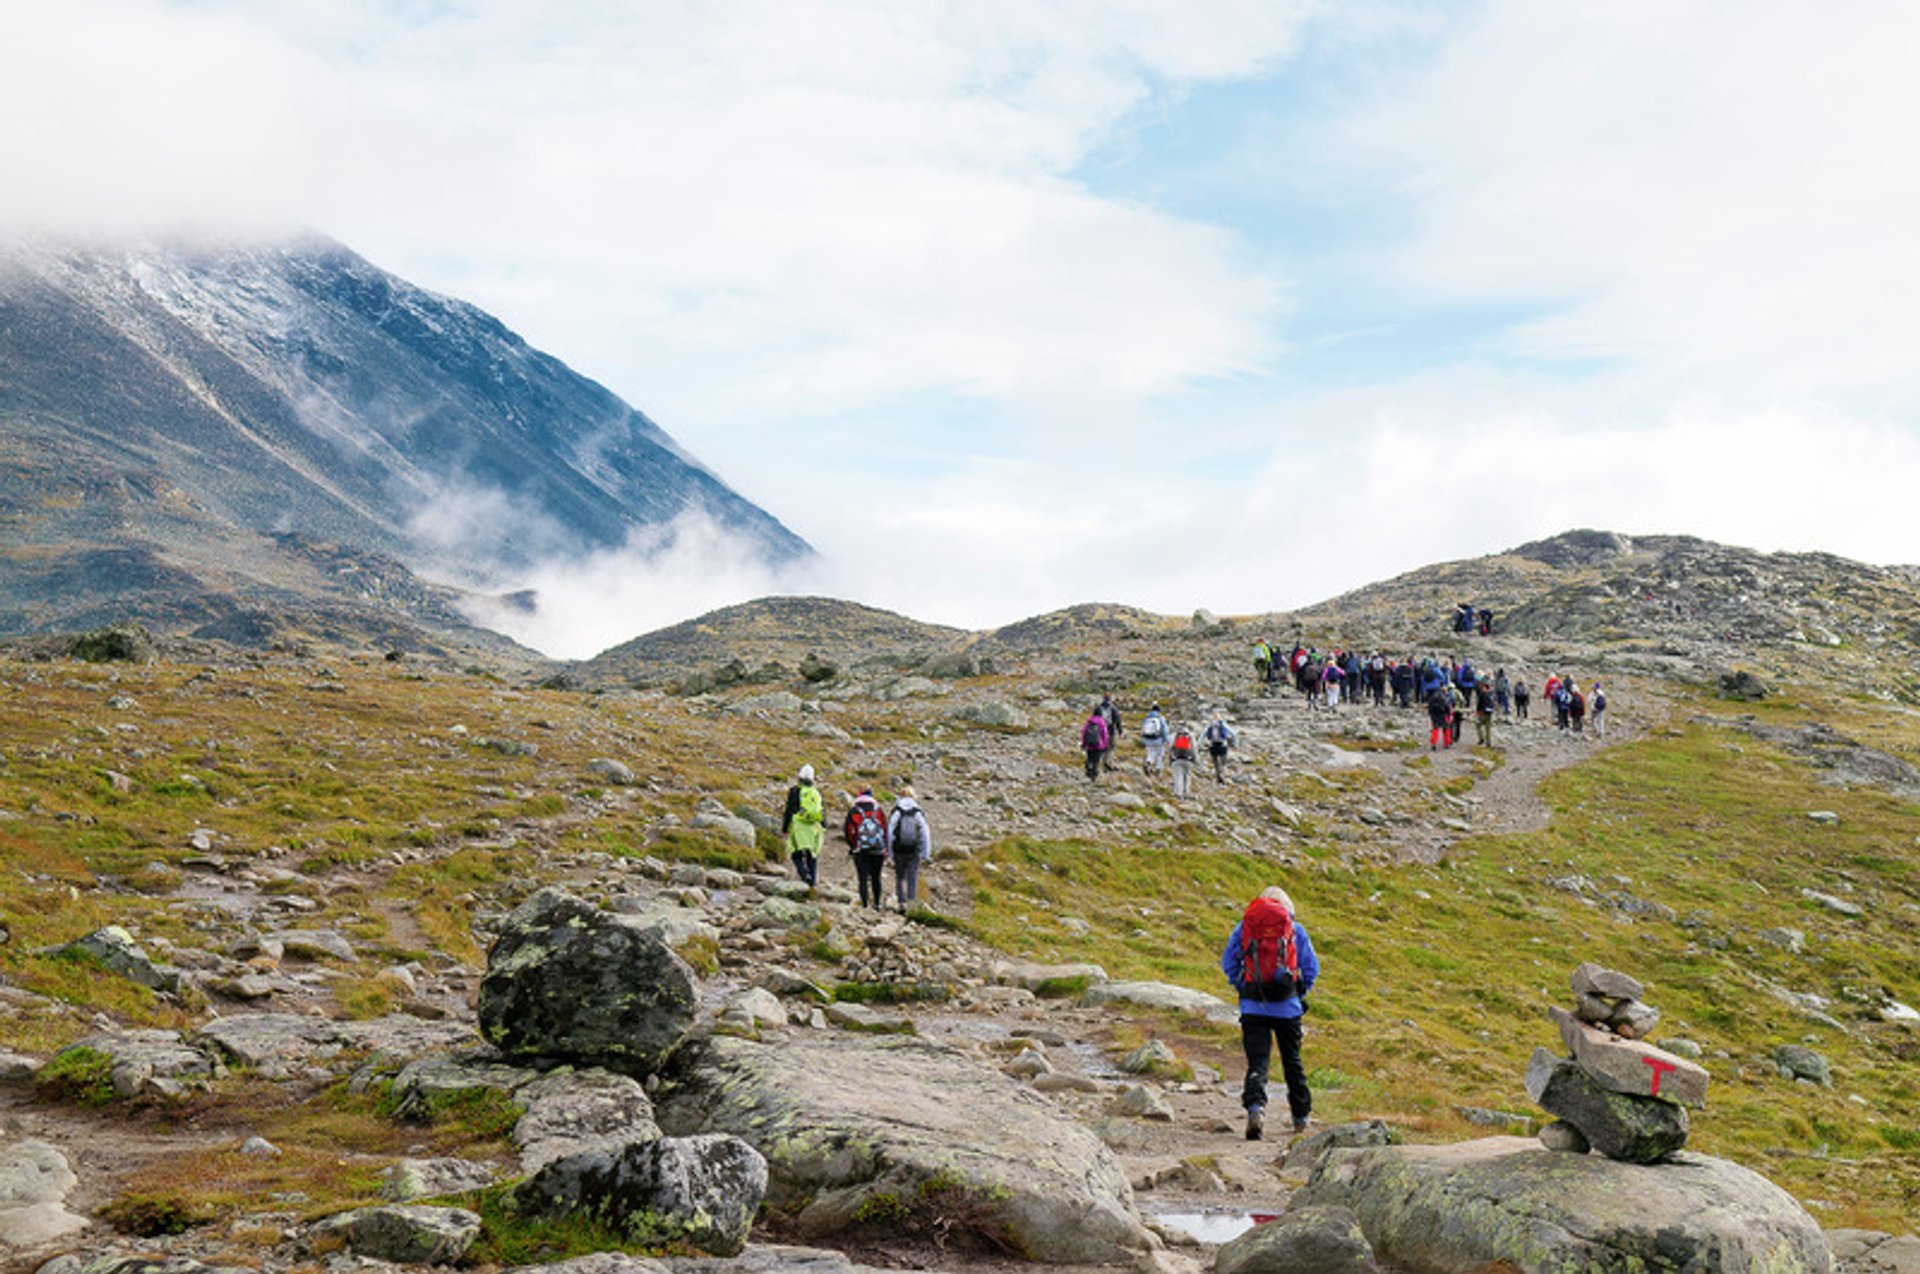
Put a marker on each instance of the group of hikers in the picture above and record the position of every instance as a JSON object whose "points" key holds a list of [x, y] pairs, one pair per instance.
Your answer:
{"points": [[1167, 747], [900, 836]]}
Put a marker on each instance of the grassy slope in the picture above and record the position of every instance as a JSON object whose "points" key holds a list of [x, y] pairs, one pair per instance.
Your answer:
{"points": [[1436, 979]]}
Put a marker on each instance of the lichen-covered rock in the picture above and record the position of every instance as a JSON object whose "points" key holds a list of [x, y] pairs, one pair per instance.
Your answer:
{"points": [[1472, 1205], [408, 1234], [114, 949], [703, 1191], [859, 1128], [566, 980], [1312, 1240], [412, 1179], [571, 1111], [1619, 1125]]}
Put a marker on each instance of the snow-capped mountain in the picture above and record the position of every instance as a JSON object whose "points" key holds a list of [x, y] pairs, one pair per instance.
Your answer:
{"points": [[194, 410]]}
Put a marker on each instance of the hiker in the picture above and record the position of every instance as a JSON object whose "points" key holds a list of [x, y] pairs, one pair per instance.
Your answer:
{"points": [[866, 833], [1182, 762], [1484, 703], [1597, 709], [1404, 679], [909, 844], [1330, 680], [1094, 741], [1270, 961], [1486, 622], [1220, 737], [1502, 692], [1262, 663], [1440, 717], [1111, 715], [1576, 708], [1562, 696], [1153, 732], [1377, 679], [1521, 698], [803, 823]]}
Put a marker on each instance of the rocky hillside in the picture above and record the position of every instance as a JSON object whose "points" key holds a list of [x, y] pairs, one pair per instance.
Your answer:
{"points": [[313, 959], [168, 409]]}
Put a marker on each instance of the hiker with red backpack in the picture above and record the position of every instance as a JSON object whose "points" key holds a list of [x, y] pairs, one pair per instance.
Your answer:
{"points": [[1095, 739], [866, 832], [1181, 762], [1270, 961]]}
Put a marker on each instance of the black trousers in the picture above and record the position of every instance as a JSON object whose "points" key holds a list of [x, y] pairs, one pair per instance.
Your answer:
{"points": [[867, 867], [1257, 1035]]}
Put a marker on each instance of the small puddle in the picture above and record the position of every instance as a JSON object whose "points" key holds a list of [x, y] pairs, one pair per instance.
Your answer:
{"points": [[1216, 1225]]}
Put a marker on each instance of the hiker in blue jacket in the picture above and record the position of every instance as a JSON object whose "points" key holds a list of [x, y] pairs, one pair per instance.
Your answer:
{"points": [[1262, 1021]]}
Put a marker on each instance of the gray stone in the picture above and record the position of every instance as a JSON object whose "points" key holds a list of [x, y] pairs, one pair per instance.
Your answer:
{"points": [[569, 1111], [1838, 905], [850, 1124], [775, 912], [702, 1190], [672, 923], [1161, 995], [1825, 817], [1791, 940], [1874, 1252], [149, 1062], [259, 1148], [1592, 1008], [1028, 1063], [1348, 1136], [412, 1179], [17, 1066], [1563, 1136], [408, 1234], [608, 770], [314, 944], [859, 1017], [1038, 977], [761, 1008], [116, 1263], [1633, 1019], [738, 830], [269, 1041], [1469, 1205], [569, 981], [422, 1086], [995, 712], [601, 1263], [1594, 979], [1621, 1126], [1153, 1057], [1311, 1240], [1142, 1102], [35, 1181], [1631, 1066], [114, 949], [1796, 1061]]}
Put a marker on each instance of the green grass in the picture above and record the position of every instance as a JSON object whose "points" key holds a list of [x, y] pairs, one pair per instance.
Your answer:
{"points": [[83, 1076]]}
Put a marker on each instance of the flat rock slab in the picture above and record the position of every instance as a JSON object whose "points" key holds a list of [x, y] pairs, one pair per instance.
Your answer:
{"points": [[1445, 1209], [1631, 1066], [35, 1181], [267, 1039], [859, 1130], [1162, 995]]}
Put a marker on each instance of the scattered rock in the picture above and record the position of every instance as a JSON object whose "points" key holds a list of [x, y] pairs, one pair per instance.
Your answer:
{"points": [[1142, 1102], [608, 770], [1470, 1205], [1826, 818], [259, 1148], [702, 1190], [1592, 979], [35, 1181], [1790, 940], [1154, 1057], [114, 949], [1839, 905], [1564, 1137], [412, 1179], [1161, 995], [1318, 1239], [1796, 1061], [314, 944], [855, 1127], [408, 1234], [994, 712], [1349, 1136], [567, 980]]}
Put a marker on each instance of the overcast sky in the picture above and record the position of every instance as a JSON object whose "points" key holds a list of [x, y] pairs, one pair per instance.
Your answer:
{"points": [[1010, 305]]}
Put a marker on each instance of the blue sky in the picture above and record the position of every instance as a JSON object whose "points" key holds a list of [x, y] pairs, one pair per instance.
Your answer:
{"points": [[1178, 305]]}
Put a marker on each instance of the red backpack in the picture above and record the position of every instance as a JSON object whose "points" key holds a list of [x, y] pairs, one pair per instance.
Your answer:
{"points": [[1269, 962], [1183, 746]]}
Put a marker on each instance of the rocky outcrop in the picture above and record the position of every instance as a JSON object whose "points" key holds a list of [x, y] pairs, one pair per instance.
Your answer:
{"points": [[858, 1130], [1469, 1205], [1311, 1240], [703, 1191], [566, 980], [34, 1184]]}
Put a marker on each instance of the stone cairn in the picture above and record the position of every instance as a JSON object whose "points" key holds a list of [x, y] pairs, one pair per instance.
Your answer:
{"points": [[1613, 1093]]}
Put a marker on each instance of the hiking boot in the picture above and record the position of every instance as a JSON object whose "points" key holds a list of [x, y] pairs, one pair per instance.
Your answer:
{"points": [[1256, 1123], [1300, 1123]]}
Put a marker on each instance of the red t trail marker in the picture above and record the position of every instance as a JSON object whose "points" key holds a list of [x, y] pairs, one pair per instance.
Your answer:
{"points": [[1659, 1068]]}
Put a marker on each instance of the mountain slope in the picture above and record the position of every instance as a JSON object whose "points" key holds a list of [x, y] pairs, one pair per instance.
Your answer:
{"points": [[183, 401]]}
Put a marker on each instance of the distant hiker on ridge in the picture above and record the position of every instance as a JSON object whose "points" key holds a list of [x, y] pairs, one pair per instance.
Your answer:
{"points": [[804, 825], [1094, 741], [1270, 961]]}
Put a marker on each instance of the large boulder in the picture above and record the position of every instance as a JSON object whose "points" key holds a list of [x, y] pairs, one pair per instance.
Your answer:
{"points": [[404, 1233], [116, 950], [567, 980], [34, 1184], [888, 1130], [1618, 1125], [1444, 1209], [1314, 1240], [572, 1111], [703, 1191]]}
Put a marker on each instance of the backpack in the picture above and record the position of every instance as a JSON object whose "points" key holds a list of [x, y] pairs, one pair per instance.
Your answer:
{"points": [[1217, 737], [1599, 701], [810, 810], [1183, 746], [869, 831], [1154, 727], [1093, 735], [907, 834], [1269, 958]]}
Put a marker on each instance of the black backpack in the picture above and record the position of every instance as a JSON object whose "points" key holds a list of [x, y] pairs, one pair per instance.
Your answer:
{"points": [[909, 834]]}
